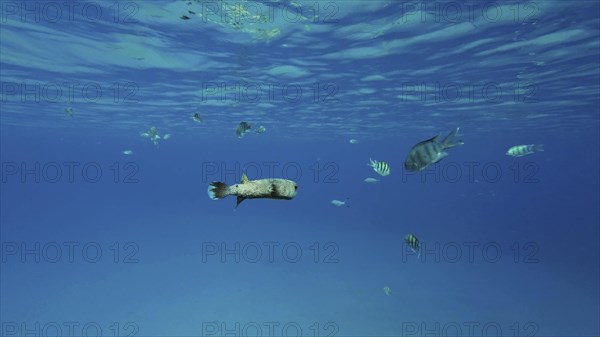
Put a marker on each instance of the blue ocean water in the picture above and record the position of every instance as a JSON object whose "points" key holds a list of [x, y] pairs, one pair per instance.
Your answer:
{"points": [[97, 242]]}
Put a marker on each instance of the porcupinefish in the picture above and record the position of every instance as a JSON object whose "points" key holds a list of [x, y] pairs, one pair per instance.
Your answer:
{"points": [[254, 189]]}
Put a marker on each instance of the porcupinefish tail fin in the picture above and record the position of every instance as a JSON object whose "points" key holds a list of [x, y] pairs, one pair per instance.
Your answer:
{"points": [[451, 141], [218, 190], [538, 148]]}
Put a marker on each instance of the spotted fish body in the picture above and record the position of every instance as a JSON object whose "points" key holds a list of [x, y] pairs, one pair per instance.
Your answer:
{"points": [[523, 150], [254, 189], [382, 168], [430, 151]]}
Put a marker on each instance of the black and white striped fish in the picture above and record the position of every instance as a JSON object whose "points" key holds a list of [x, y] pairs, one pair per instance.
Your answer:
{"points": [[382, 168], [430, 152], [523, 150], [413, 243]]}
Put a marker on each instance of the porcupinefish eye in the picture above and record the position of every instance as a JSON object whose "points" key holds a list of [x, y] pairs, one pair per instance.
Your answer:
{"points": [[295, 187]]}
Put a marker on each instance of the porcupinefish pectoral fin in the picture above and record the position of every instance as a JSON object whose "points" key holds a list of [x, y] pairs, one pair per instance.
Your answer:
{"points": [[244, 179], [239, 200]]}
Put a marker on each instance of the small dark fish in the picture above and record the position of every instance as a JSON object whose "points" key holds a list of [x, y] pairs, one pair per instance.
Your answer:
{"points": [[247, 189], [197, 117], [413, 243], [430, 152], [193, 13], [184, 17], [242, 128]]}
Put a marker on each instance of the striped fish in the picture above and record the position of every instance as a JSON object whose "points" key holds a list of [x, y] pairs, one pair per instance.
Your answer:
{"points": [[430, 151], [523, 150], [382, 168], [413, 243]]}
